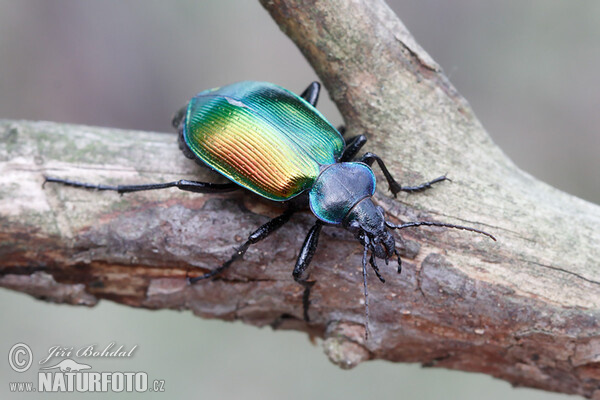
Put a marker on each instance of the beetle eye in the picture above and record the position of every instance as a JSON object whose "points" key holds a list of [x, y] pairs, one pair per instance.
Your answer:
{"points": [[354, 225]]}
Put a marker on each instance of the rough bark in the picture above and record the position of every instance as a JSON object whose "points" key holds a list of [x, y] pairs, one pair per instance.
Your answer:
{"points": [[524, 309]]}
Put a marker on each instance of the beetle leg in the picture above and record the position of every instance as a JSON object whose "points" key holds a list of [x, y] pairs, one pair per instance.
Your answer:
{"points": [[395, 187], [255, 237], [304, 258], [178, 116], [375, 267], [353, 147], [182, 184], [399, 261], [311, 93]]}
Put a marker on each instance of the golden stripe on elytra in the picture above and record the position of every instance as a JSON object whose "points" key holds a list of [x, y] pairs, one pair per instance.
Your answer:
{"points": [[274, 181], [255, 156]]}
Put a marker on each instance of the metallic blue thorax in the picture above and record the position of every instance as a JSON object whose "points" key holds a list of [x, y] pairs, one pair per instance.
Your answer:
{"points": [[338, 188]]}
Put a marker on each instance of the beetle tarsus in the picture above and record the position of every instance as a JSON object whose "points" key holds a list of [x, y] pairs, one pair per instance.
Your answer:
{"points": [[306, 298], [419, 188], [83, 185], [182, 184], [300, 273]]}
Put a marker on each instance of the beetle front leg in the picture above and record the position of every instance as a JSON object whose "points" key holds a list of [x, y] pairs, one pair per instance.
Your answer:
{"points": [[395, 187], [300, 273]]}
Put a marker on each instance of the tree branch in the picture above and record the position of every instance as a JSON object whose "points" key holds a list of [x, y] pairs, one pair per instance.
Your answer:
{"points": [[524, 309]]}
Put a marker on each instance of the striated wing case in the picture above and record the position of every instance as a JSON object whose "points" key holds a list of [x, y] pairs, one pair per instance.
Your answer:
{"points": [[261, 136]]}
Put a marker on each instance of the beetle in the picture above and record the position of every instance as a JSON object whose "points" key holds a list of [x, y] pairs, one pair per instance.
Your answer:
{"points": [[276, 144]]}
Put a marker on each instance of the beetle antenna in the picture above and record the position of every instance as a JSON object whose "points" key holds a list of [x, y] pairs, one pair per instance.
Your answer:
{"points": [[429, 223], [364, 271], [399, 260]]}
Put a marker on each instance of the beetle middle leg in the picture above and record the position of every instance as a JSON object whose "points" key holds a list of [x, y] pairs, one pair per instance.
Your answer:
{"points": [[261, 233], [300, 273]]}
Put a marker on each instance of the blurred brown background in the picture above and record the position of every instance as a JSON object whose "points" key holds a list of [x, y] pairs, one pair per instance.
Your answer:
{"points": [[529, 69]]}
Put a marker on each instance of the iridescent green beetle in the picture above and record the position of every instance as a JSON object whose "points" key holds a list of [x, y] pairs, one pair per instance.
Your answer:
{"points": [[275, 143]]}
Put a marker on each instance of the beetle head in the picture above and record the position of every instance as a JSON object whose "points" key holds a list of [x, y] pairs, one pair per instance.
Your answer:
{"points": [[367, 223]]}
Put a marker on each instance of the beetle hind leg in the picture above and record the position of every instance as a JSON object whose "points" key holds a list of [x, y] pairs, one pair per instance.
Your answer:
{"points": [[182, 184], [261, 233]]}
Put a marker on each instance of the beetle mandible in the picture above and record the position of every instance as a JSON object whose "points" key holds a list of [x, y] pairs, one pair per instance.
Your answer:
{"points": [[275, 143]]}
